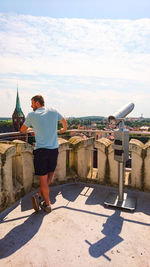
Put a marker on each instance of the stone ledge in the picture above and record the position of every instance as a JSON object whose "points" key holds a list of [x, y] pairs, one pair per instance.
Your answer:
{"points": [[103, 143], [77, 142]]}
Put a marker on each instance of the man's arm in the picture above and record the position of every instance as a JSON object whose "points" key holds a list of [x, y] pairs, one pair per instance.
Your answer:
{"points": [[25, 129], [65, 126]]}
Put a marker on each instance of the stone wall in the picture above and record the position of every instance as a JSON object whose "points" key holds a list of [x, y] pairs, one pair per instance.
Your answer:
{"points": [[147, 166], [7, 152], [137, 149], [17, 172], [81, 156], [140, 169]]}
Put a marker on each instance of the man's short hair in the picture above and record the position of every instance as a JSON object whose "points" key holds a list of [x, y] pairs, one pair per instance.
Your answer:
{"points": [[38, 98]]}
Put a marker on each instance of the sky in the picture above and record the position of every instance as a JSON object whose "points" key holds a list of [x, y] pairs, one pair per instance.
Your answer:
{"points": [[86, 57]]}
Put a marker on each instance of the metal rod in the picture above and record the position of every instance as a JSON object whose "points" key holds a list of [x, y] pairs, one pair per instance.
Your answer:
{"points": [[11, 134], [121, 179], [75, 130]]}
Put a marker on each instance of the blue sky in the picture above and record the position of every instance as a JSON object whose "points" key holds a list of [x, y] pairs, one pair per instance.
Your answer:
{"points": [[94, 9], [84, 57]]}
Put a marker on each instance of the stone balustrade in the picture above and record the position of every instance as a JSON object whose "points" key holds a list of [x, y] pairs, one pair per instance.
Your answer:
{"points": [[140, 171], [137, 149], [7, 152], [23, 167], [107, 166], [146, 174], [60, 172], [17, 172], [81, 156]]}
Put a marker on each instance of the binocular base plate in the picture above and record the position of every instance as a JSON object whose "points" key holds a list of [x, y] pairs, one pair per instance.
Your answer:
{"points": [[127, 202]]}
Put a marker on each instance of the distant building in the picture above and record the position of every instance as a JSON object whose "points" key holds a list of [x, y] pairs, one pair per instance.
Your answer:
{"points": [[18, 117], [144, 128]]}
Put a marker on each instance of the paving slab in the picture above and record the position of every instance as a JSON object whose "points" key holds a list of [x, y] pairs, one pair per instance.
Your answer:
{"points": [[80, 231]]}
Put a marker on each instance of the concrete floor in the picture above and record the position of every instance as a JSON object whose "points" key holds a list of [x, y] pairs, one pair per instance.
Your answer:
{"points": [[79, 231]]}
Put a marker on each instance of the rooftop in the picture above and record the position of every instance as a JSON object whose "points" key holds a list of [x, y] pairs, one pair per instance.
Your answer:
{"points": [[80, 231]]}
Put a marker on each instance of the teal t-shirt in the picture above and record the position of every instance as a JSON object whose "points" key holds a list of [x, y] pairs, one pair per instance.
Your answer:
{"points": [[44, 122]]}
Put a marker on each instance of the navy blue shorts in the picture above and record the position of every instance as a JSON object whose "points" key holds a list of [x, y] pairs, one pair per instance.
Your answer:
{"points": [[45, 160]]}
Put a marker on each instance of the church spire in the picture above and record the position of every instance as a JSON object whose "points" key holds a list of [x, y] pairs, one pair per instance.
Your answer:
{"points": [[18, 117], [18, 107]]}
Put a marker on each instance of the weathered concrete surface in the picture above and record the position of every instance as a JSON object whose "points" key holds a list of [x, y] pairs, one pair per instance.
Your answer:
{"points": [[80, 231]]}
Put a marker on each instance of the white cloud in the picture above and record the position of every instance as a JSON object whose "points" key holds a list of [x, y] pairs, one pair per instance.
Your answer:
{"points": [[75, 46], [101, 60], [75, 96]]}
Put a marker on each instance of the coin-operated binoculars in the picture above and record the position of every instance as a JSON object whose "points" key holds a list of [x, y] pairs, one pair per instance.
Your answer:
{"points": [[121, 154]]}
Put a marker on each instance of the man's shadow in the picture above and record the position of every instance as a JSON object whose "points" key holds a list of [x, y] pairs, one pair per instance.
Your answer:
{"points": [[21, 234], [111, 230]]}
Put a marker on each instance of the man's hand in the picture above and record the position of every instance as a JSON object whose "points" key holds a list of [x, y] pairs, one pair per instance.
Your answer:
{"points": [[62, 130], [29, 130], [25, 129]]}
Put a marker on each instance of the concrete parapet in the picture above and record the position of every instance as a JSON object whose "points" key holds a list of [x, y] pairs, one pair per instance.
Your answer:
{"points": [[147, 166], [138, 151], [23, 169], [107, 166], [60, 172], [81, 155], [17, 170], [7, 197]]}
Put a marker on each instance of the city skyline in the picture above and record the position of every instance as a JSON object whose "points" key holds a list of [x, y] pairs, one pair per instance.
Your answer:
{"points": [[86, 58]]}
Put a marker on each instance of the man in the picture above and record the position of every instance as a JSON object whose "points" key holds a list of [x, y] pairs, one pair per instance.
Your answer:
{"points": [[44, 123]]}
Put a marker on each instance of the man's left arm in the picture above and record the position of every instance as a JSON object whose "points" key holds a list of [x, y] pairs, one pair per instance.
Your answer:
{"points": [[64, 124]]}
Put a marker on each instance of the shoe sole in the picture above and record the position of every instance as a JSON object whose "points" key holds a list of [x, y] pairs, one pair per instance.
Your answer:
{"points": [[43, 208], [34, 203]]}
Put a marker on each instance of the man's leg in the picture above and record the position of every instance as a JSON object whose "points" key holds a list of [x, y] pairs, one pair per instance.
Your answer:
{"points": [[44, 188], [45, 180], [40, 193], [50, 177], [41, 160]]}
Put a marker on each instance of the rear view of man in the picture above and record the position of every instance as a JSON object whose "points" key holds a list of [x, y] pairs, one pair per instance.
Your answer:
{"points": [[43, 122]]}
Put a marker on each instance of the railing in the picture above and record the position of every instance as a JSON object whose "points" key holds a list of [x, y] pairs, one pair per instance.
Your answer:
{"points": [[11, 135]]}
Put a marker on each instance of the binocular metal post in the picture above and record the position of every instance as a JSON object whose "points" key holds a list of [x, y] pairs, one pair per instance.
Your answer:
{"points": [[121, 151], [121, 179]]}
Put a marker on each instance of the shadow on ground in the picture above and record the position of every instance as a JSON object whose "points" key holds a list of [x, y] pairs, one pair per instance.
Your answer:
{"points": [[111, 230], [21, 234], [92, 195]]}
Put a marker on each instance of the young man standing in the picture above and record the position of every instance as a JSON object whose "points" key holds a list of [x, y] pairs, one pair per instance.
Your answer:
{"points": [[43, 122]]}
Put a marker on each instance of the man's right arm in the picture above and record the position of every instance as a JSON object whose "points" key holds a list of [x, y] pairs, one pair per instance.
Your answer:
{"points": [[25, 129]]}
